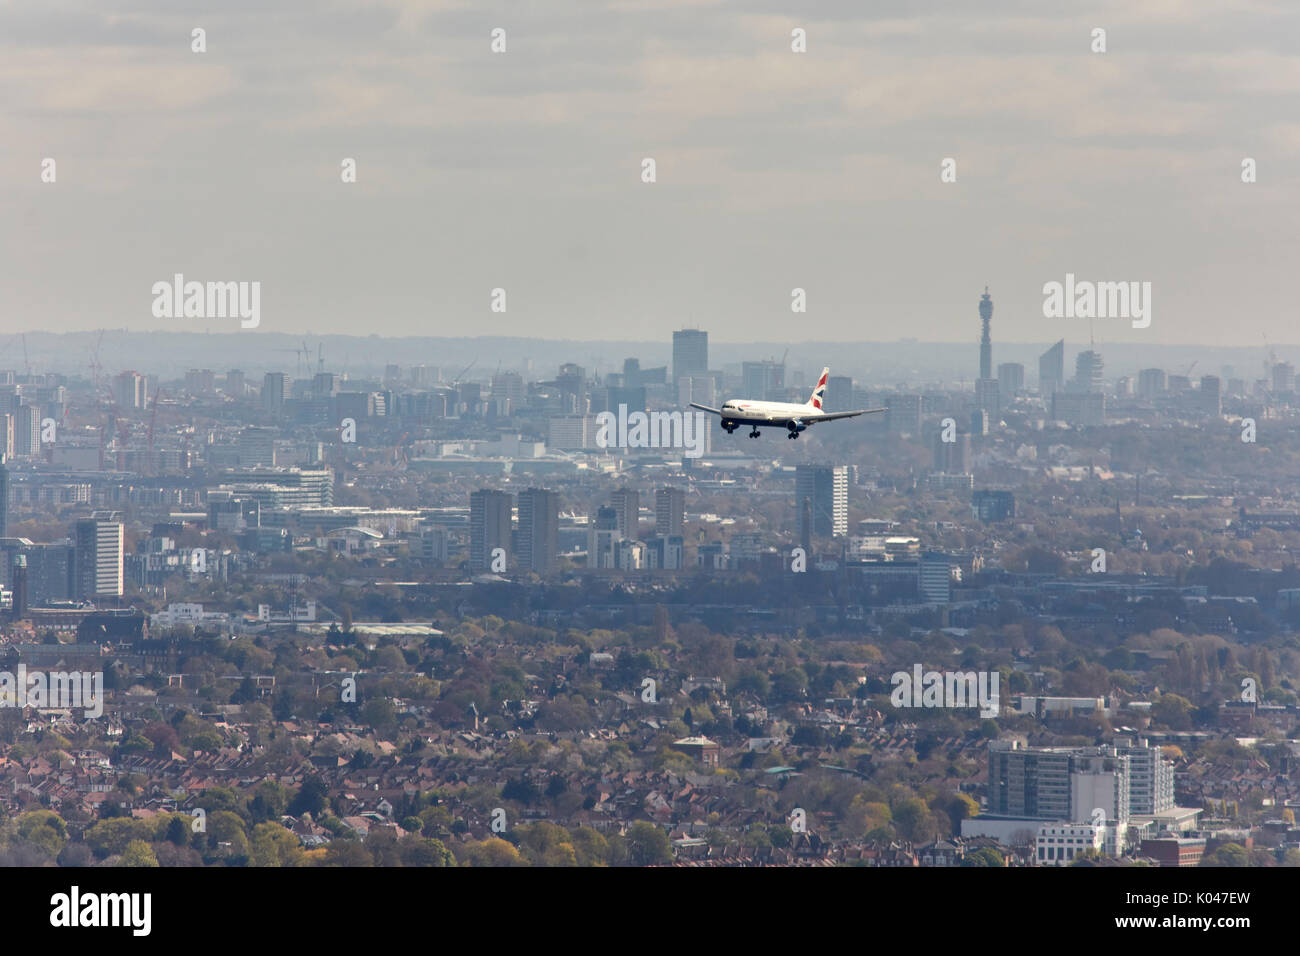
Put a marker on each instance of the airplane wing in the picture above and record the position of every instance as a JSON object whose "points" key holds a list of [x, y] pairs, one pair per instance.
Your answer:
{"points": [[716, 411], [829, 416]]}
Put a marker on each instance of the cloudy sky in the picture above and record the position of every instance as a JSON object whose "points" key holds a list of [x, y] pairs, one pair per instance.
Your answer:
{"points": [[775, 170]]}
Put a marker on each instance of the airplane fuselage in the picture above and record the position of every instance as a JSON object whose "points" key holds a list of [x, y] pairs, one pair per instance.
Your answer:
{"points": [[743, 412]]}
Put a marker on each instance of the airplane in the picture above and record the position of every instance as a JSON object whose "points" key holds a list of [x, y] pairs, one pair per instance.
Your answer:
{"points": [[740, 411]]}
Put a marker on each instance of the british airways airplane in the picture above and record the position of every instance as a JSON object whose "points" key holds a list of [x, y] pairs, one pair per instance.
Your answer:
{"points": [[739, 411]]}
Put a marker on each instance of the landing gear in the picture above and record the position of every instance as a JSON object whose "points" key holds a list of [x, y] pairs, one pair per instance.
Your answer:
{"points": [[754, 433], [792, 435], [729, 427]]}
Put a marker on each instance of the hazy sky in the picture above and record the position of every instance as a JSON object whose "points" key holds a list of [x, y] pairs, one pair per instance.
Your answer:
{"points": [[522, 170]]}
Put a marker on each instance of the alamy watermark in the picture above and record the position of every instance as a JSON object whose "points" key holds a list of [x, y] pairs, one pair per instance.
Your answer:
{"points": [[57, 690], [652, 430], [1098, 300], [208, 300], [947, 689]]}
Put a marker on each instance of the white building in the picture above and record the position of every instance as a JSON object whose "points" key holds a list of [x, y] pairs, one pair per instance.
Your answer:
{"points": [[193, 615], [1057, 844]]}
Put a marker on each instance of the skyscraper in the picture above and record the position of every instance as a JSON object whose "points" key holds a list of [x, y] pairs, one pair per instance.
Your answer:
{"points": [[603, 538], [130, 390], [986, 338], [1209, 399], [1051, 370], [690, 353], [987, 397], [952, 457], [97, 557], [839, 394], [1151, 382], [763, 380], [489, 526], [626, 502], [27, 435], [4, 498], [274, 388], [1088, 368], [826, 488], [539, 529], [1011, 379], [670, 511]]}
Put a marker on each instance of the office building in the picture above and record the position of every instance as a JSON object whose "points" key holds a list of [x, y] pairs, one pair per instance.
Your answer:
{"points": [[934, 578], [626, 503], [1209, 399], [839, 394], [1151, 382], [508, 392], [1011, 380], [764, 381], [274, 387], [490, 518], [903, 415], [236, 384], [603, 538], [257, 446], [281, 488], [130, 390], [670, 511], [989, 506], [988, 397], [200, 381], [952, 457], [690, 353], [6, 436], [27, 433], [97, 570], [826, 489], [1088, 368], [666, 553], [701, 388], [539, 530], [1151, 776], [1057, 783], [4, 497], [1125, 779], [1079, 408], [1051, 370]]}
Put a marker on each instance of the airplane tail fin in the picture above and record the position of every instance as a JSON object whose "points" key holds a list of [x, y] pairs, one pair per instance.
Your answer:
{"points": [[820, 391]]}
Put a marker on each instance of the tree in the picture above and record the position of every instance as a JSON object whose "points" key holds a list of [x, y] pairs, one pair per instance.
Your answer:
{"points": [[912, 817], [110, 837], [312, 797], [1173, 712], [177, 831], [138, 853], [984, 856], [424, 851], [44, 828], [273, 845], [648, 845], [1230, 854], [493, 851]]}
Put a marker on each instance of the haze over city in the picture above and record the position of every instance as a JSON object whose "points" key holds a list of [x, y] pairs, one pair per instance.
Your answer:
{"points": [[521, 170]]}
